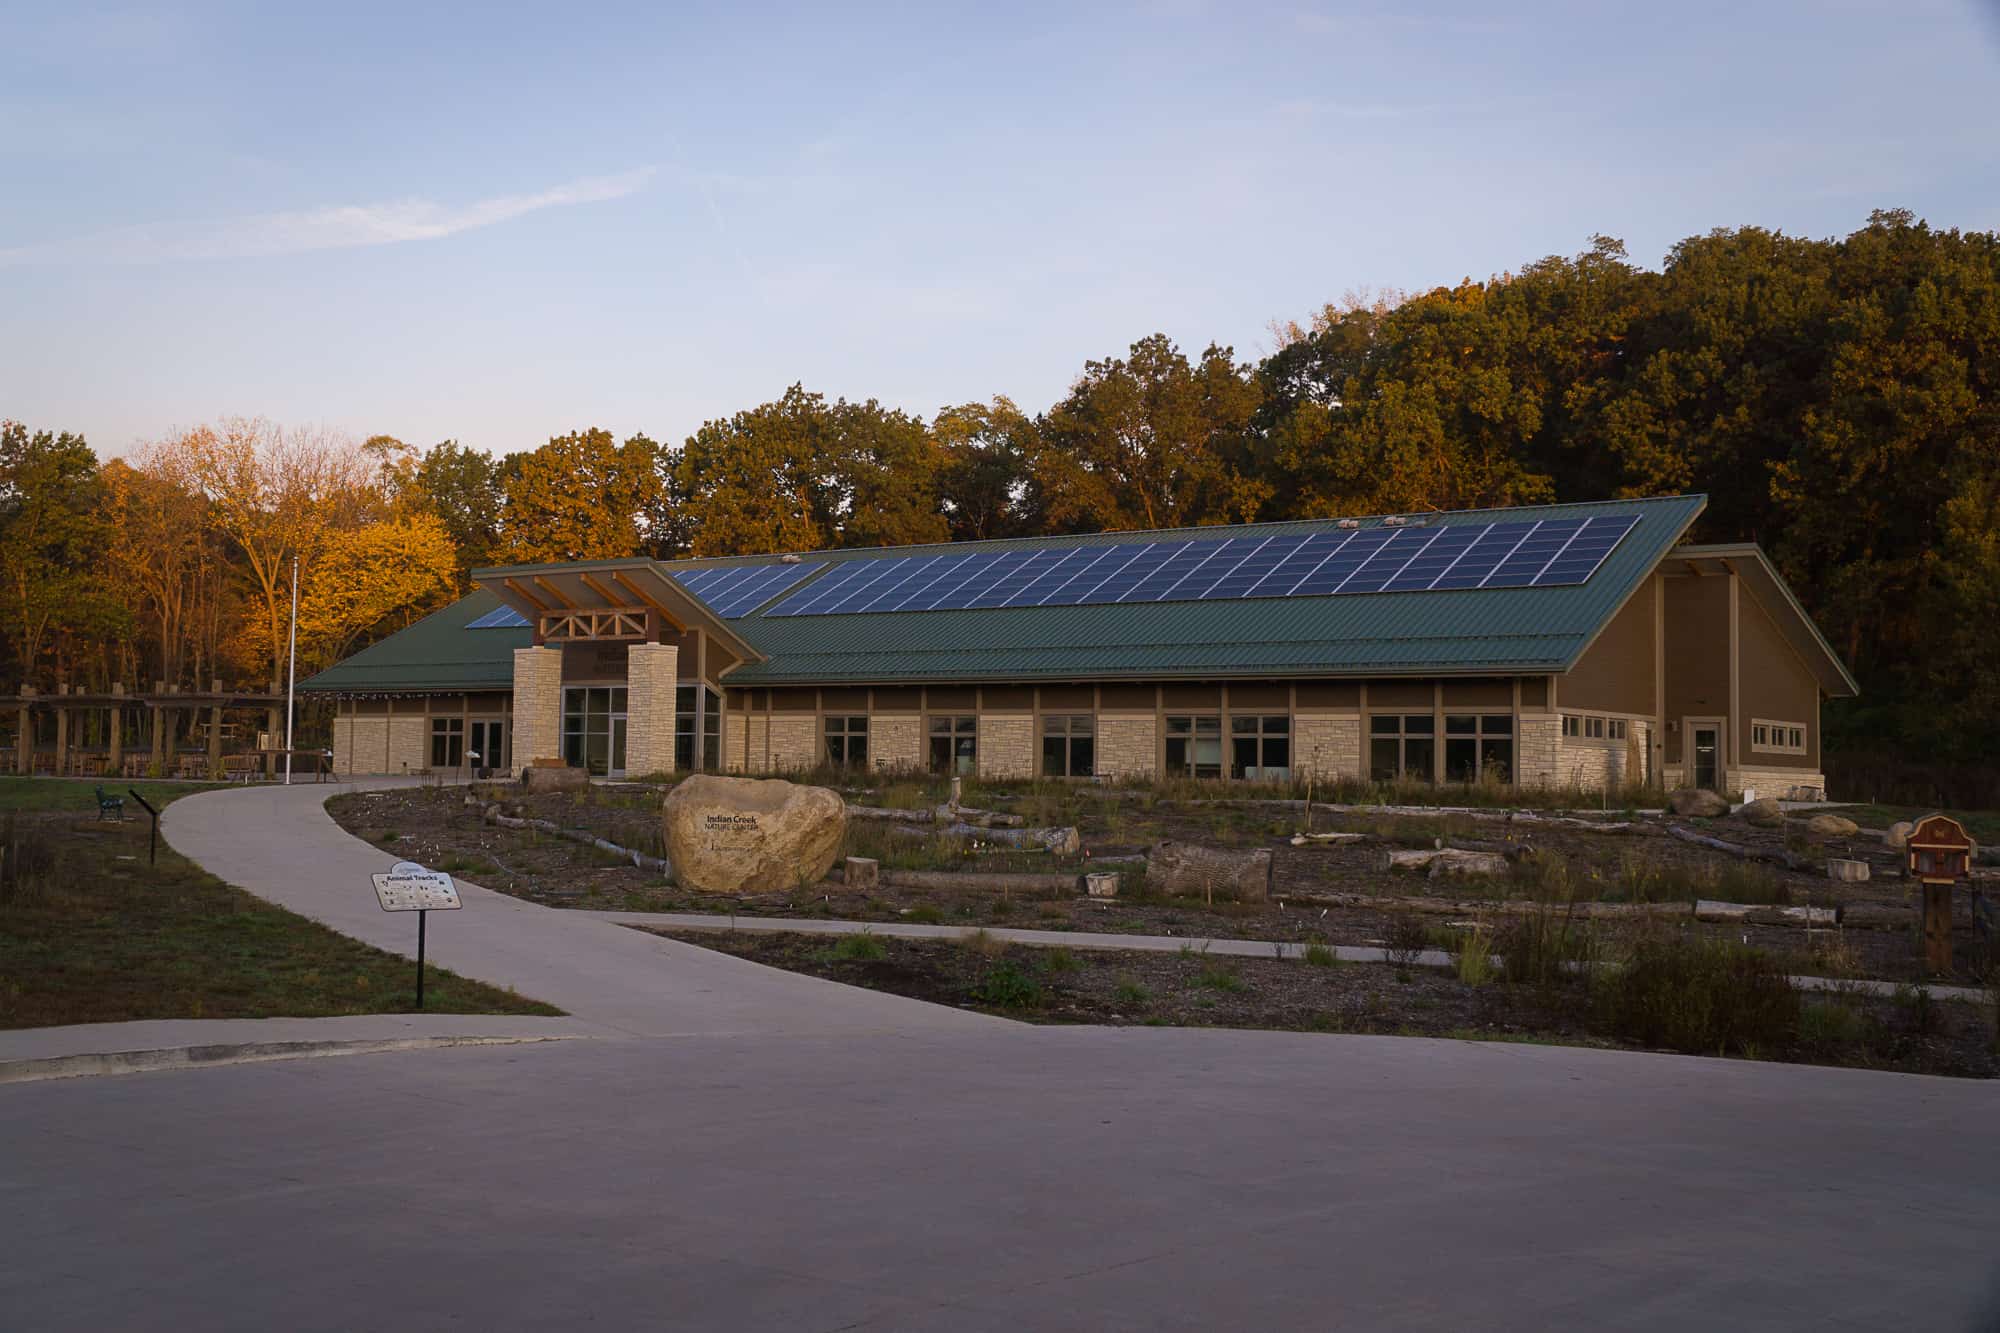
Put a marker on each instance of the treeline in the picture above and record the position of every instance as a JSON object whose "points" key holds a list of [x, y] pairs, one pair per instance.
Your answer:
{"points": [[1838, 400]]}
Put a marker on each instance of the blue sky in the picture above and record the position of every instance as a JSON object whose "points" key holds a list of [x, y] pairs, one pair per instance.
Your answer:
{"points": [[498, 223]]}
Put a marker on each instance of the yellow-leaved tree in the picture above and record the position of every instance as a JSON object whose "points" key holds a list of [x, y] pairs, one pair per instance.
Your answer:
{"points": [[374, 580]]}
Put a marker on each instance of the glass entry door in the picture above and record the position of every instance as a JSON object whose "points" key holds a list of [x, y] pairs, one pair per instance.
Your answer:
{"points": [[1707, 745], [594, 728], [486, 746]]}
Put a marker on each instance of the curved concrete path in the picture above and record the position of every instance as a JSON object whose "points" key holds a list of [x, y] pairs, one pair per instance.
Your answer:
{"points": [[800, 1156], [280, 843]]}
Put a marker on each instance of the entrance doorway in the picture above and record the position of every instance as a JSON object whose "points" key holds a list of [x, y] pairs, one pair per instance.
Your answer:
{"points": [[486, 746], [1705, 738], [594, 728]]}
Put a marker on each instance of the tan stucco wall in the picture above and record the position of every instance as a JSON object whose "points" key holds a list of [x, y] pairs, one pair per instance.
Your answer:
{"points": [[1774, 685], [1697, 618], [1616, 673]]}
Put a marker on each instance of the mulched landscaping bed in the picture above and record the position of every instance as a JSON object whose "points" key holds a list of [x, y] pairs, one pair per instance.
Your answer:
{"points": [[1191, 988], [437, 827]]}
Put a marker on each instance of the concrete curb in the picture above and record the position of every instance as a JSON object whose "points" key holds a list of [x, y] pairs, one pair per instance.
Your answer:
{"points": [[101, 1063]]}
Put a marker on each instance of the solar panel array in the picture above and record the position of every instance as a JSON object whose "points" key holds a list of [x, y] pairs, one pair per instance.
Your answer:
{"points": [[1544, 554], [734, 591], [503, 617]]}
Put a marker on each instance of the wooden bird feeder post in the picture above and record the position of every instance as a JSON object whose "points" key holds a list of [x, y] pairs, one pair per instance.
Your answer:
{"points": [[1940, 855]]}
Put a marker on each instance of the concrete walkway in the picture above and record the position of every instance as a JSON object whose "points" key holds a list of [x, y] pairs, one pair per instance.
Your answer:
{"points": [[280, 843]]}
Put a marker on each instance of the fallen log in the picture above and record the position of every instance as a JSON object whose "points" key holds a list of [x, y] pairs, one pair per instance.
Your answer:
{"points": [[981, 881], [1062, 841], [1443, 861], [1211, 872], [897, 816], [985, 818], [1776, 855], [1338, 839], [1756, 914], [491, 814], [1496, 907]]}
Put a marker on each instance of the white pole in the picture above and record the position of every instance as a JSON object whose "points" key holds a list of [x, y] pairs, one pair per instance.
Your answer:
{"points": [[292, 672]]}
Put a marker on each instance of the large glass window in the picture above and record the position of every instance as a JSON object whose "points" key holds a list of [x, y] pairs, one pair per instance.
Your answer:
{"points": [[687, 698], [1479, 747], [847, 741], [594, 728], [1402, 747], [488, 748], [1194, 746], [447, 742], [1260, 747], [955, 744], [1069, 745]]}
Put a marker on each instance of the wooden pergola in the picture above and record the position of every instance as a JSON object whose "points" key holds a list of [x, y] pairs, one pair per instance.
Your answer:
{"points": [[161, 703]]}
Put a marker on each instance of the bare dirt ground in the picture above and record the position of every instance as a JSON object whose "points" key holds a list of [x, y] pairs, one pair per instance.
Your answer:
{"points": [[1556, 863]]}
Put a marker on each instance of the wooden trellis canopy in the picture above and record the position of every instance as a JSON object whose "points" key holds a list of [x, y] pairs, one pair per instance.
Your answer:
{"points": [[595, 626]]}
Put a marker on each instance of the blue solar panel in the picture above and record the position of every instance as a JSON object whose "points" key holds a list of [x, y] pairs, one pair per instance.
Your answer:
{"points": [[1544, 553], [734, 591], [503, 617]]}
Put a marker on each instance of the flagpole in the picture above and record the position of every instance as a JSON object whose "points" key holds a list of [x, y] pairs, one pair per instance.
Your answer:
{"points": [[292, 672]]}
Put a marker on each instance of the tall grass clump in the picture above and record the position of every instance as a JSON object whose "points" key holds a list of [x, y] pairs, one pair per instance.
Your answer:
{"points": [[1699, 995]]}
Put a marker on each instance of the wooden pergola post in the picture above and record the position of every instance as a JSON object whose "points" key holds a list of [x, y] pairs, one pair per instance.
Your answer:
{"points": [[62, 736], [24, 741], [272, 723], [115, 758], [215, 731]]}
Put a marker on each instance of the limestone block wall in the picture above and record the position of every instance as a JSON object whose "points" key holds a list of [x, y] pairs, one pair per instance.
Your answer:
{"points": [[1006, 746], [1327, 745], [895, 742], [1538, 751], [735, 742], [409, 744], [652, 670], [1594, 765], [1778, 782], [361, 744], [795, 742], [1127, 747], [537, 706]]}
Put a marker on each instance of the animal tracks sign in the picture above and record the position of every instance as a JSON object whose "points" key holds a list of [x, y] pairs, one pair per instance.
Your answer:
{"points": [[408, 887]]}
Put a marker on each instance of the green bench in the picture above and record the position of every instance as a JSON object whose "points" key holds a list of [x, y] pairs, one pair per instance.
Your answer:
{"points": [[110, 807]]}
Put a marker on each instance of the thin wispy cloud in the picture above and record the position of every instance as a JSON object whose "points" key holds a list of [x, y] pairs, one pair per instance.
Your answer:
{"points": [[338, 227]]}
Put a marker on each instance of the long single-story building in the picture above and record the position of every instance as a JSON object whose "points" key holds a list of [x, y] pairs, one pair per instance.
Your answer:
{"points": [[1565, 645]]}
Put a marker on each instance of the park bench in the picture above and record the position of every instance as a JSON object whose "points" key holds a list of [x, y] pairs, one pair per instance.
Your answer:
{"points": [[110, 807]]}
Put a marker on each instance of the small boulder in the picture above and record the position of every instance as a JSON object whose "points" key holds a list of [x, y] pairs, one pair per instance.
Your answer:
{"points": [[1898, 836], [1763, 813], [751, 835], [1697, 802], [1832, 826]]}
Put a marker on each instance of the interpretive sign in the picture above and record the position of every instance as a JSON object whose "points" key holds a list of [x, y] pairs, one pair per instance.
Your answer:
{"points": [[408, 887]]}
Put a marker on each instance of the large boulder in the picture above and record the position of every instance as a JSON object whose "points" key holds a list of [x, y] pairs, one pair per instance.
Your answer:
{"points": [[1832, 826], [751, 835], [1697, 802], [1898, 836], [554, 777], [1763, 813]]}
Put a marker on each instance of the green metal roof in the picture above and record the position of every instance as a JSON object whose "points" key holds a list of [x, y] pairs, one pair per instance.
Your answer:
{"points": [[1470, 631], [436, 653]]}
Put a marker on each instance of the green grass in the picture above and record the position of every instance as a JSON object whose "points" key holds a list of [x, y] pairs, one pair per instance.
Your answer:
{"points": [[103, 937], [79, 794], [862, 948], [1983, 825]]}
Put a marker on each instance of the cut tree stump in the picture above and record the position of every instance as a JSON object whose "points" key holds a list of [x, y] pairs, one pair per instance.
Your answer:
{"points": [[1221, 872], [862, 872]]}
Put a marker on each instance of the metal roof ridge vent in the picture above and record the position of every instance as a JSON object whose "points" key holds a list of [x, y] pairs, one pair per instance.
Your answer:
{"points": [[1394, 521], [1350, 522]]}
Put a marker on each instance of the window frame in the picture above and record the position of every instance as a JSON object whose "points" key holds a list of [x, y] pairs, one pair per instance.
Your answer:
{"points": [[1486, 733], [960, 752], [843, 727], [1190, 730], [450, 731], [1769, 736], [1265, 740], [1069, 729]]}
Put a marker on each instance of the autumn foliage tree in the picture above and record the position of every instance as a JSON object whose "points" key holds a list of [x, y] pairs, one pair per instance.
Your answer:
{"points": [[581, 496]]}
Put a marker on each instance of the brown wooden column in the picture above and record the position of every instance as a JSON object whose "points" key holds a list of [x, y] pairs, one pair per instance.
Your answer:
{"points": [[24, 742], [215, 731], [62, 737], [274, 726], [115, 756]]}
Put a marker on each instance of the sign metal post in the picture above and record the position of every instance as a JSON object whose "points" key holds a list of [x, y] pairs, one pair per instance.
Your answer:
{"points": [[408, 887]]}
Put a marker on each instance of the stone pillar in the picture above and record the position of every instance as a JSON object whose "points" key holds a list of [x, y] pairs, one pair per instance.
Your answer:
{"points": [[537, 706], [652, 671]]}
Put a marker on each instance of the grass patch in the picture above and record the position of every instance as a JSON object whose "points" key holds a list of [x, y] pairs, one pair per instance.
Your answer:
{"points": [[861, 948], [103, 937], [1218, 975], [1320, 955], [78, 794], [1007, 986], [1698, 995]]}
